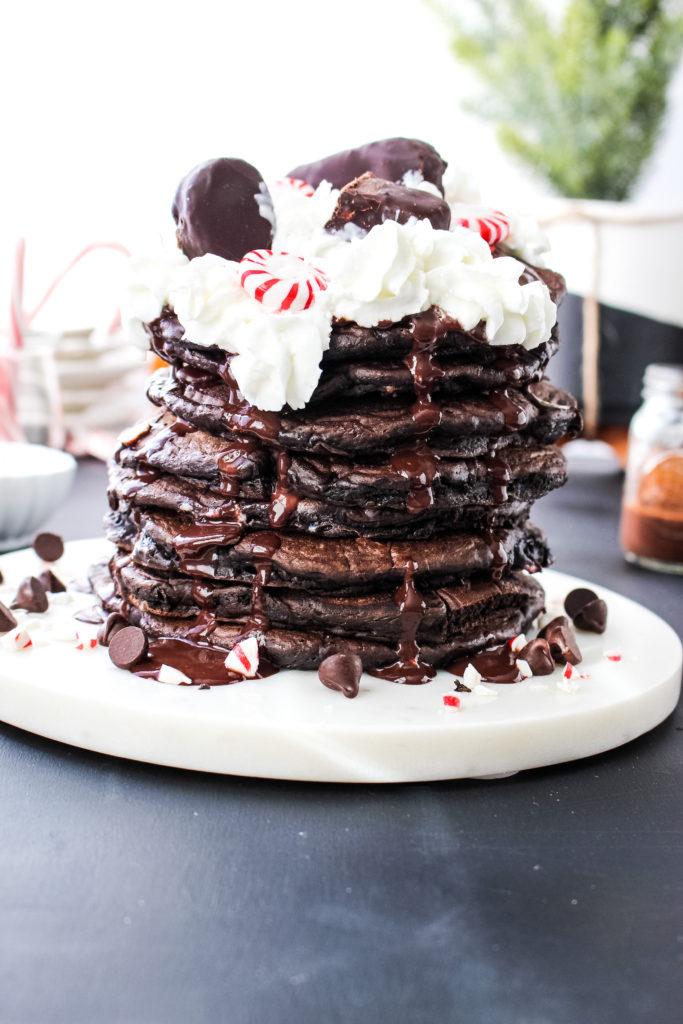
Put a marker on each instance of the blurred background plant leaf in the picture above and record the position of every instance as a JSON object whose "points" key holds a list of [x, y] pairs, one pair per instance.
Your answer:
{"points": [[577, 94]]}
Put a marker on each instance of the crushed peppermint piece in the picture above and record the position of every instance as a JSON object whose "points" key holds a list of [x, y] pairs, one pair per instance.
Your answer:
{"points": [[517, 643], [244, 658], [168, 674], [297, 183], [523, 668], [88, 643], [16, 640], [451, 701], [612, 655], [568, 672], [471, 677]]}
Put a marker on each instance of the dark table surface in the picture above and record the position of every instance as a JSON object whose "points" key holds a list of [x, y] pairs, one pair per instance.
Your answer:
{"points": [[135, 893]]}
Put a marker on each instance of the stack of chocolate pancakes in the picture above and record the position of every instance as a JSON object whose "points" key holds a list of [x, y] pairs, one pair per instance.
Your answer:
{"points": [[388, 517]]}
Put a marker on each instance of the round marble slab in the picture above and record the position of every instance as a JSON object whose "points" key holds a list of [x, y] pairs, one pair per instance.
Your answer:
{"points": [[289, 726]]}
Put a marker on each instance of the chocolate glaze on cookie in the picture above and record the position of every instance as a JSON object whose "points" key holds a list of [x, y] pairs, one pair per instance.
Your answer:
{"points": [[389, 158], [219, 208]]}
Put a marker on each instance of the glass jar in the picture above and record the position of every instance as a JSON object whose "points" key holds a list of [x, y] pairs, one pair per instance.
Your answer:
{"points": [[652, 510]]}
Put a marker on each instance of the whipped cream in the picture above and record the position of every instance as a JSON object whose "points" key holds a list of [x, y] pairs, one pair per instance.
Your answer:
{"points": [[146, 291], [527, 239], [398, 269], [381, 275], [277, 355]]}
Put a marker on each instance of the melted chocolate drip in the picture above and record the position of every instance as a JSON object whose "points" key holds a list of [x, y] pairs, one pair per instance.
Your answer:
{"points": [[496, 665], [426, 413], [499, 477], [198, 542], [408, 667], [513, 408], [498, 553], [263, 547], [284, 501], [242, 417], [232, 462], [419, 466]]}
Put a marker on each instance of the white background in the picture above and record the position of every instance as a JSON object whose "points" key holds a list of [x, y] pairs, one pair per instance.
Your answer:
{"points": [[105, 107]]}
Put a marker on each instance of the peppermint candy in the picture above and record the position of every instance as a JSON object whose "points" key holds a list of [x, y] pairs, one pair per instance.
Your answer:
{"points": [[280, 281], [17, 640], [451, 701], [517, 643], [298, 183], [492, 225], [243, 658], [86, 643]]}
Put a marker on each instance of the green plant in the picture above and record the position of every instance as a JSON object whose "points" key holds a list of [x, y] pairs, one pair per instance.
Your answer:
{"points": [[578, 95]]}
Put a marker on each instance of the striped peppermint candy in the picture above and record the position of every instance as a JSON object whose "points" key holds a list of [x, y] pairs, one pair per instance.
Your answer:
{"points": [[298, 183], [280, 281], [492, 225]]}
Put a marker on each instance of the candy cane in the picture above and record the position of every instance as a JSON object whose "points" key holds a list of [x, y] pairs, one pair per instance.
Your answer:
{"points": [[492, 225], [298, 184]]}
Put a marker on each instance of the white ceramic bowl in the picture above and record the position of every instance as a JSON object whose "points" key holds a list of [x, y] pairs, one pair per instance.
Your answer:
{"points": [[34, 481]]}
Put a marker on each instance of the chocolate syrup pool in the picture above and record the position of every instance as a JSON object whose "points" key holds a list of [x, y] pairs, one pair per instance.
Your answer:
{"points": [[203, 665]]}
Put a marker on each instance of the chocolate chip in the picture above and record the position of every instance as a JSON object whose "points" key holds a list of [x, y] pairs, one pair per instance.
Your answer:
{"points": [[7, 620], [563, 645], [592, 617], [52, 583], [586, 610], [538, 657], [216, 210], [128, 647], [387, 158], [576, 599], [367, 201], [561, 620], [341, 672], [49, 546], [110, 627], [31, 596]]}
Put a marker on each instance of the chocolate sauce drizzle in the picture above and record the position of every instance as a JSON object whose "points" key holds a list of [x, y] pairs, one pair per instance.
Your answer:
{"points": [[263, 547], [408, 667]]}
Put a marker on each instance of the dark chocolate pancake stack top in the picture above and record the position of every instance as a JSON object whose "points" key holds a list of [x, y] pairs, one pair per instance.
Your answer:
{"points": [[388, 517]]}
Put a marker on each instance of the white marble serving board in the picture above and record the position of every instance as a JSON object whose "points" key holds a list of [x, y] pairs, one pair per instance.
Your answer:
{"points": [[289, 726]]}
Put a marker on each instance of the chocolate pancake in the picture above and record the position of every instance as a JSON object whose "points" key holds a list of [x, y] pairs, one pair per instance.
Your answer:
{"points": [[371, 614], [214, 551], [471, 618], [462, 355], [469, 426], [248, 469]]}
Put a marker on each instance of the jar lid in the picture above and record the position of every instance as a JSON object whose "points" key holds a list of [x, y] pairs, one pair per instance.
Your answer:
{"points": [[664, 378]]}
